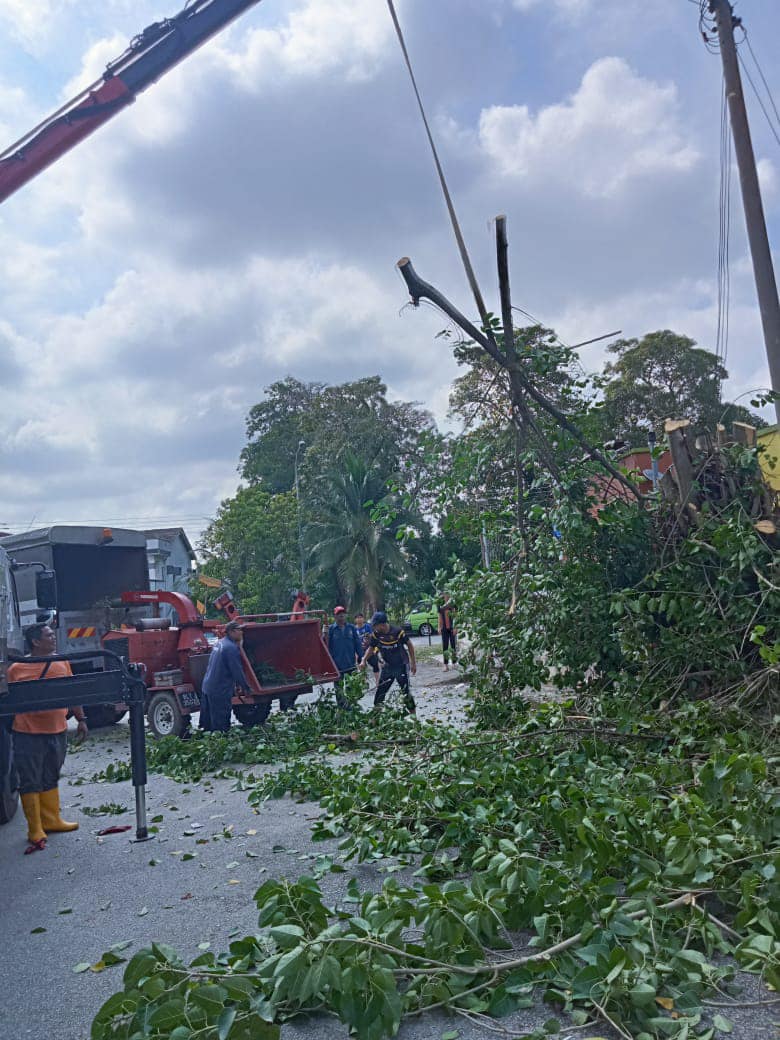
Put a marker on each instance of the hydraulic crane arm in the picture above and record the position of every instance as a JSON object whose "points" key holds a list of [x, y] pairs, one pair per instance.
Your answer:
{"points": [[150, 54]]}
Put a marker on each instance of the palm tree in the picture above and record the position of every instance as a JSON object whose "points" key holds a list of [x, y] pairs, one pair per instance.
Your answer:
{"points": [[362, 552]]}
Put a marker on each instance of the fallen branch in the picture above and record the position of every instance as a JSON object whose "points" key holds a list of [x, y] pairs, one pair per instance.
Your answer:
{"points": [[686, 899]]}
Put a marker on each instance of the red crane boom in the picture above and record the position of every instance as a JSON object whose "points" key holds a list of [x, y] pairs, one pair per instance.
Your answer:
{"points": [[149, 55]]}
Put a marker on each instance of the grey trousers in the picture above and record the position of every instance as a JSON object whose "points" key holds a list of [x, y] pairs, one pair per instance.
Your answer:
{"points": [[38, 758]]}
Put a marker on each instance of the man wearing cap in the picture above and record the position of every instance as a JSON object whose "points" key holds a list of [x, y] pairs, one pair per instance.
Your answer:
{"points": [[397, 653], [345, 648], [224, 673]]}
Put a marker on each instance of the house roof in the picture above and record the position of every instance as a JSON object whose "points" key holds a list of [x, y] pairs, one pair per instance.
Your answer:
{"points": [[171, 533]]}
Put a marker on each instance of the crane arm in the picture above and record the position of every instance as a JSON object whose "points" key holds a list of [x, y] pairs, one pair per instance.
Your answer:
{"points": [[152, 53]]}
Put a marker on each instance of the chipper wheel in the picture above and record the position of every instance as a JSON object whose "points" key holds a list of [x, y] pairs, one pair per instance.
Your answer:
{"points": [[250, 715], [166, 718]]}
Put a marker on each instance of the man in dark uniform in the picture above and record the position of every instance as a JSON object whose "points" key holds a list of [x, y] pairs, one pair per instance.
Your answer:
{"points": [[397, 654], [447, 631], [224, 673]]}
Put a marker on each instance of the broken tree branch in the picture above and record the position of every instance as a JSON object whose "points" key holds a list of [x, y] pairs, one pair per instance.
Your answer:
{"points": [[519, 382]]}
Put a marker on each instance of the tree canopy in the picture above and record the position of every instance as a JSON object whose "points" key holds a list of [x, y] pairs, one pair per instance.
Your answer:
{"points": [[660, 376]]}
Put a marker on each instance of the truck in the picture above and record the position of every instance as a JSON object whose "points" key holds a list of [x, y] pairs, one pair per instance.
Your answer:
{"points": [[10, 641], [281, 659], [93, 567]]}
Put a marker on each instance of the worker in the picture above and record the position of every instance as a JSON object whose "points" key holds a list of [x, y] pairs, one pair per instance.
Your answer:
{"points": [[346, 649], [40, 742], [398, 658], [447, 630], [224, 673], [364, 630], [300, 606]]}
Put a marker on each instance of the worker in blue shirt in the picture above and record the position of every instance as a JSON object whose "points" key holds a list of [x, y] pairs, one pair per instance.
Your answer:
{"points": [[346, 649], [224, 673]]}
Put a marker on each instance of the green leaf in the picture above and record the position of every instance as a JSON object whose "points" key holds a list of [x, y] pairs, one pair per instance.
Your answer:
{"points": [[225, 1023], [79, 969], [722, 1023], [287, 935]]}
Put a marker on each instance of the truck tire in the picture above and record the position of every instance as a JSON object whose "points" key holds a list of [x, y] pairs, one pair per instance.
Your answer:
{"points": [[165, 716], [250, 715], [9, 796], [9, 803], [100, 715], [425, 629], [287, 701]]}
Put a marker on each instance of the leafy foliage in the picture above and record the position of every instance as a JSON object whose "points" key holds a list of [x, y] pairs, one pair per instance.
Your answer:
{"points": [[586, 862], [661, 376], [252, 545]]}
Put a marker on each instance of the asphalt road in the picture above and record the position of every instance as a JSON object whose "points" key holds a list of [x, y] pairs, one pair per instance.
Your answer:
{"points": [[193, 883]]}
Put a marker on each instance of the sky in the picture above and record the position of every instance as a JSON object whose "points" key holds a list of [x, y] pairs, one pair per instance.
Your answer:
{"points": [[242, 220]]}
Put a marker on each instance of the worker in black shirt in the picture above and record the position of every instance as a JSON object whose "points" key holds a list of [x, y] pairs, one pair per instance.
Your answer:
{"points": [[397, 654]]}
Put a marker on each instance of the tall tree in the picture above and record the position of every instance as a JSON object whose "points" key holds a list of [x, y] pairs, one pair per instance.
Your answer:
{"points": [[664, 375], [252, 545], [328, 419], [355, 535]]}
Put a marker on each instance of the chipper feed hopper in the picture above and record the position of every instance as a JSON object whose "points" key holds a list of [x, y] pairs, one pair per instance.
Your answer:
{"points": [[282, 659]]}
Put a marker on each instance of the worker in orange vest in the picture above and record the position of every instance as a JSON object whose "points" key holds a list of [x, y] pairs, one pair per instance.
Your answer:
{"points": [[40, 742]]}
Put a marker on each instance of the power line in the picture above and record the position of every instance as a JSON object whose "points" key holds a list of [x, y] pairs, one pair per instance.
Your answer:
{"points": [[761, 104], [761, 74]]}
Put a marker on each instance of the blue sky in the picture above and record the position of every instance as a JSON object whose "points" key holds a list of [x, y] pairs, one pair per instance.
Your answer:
{"points": [[242, 220]]}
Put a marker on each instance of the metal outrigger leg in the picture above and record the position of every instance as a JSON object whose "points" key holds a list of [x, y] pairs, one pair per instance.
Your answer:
{"points": [[118, 683]]}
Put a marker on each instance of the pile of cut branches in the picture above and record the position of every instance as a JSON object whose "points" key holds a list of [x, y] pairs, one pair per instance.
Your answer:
{"points": [[592, 865]]}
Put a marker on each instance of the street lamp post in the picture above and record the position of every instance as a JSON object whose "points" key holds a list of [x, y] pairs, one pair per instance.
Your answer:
{"points": [[301, 444]]}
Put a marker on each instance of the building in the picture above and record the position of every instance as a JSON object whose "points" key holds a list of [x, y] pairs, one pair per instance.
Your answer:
{"points": [[638, 464], [171, 560]]}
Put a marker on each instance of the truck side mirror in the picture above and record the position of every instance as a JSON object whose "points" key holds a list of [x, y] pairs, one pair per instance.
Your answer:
{"points": [[46, 589]]}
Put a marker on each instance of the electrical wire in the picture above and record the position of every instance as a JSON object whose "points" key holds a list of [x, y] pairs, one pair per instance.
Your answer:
{"points": [[768, 89], [761, 104], [464, 254]]}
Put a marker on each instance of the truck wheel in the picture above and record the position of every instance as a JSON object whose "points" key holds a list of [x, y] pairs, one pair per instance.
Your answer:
{"points": [[425, 629], [99, 715], [287, 702], [165, 716], [9, 802], [250, 715], [9, 796]]}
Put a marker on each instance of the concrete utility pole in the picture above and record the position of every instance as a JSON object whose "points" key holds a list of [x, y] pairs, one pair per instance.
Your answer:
{"points": [[766, 286]]}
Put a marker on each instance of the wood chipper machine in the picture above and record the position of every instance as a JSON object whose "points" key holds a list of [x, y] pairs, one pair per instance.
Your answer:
{"points": [[281, 659]]}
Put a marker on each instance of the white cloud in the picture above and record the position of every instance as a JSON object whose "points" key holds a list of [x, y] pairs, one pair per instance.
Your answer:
{"points": [[767, 178], [616, 128], [320, 37], [566, 7]]}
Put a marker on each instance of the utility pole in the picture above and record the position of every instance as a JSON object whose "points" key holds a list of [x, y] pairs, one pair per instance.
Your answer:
{"points": [[766, 286]]}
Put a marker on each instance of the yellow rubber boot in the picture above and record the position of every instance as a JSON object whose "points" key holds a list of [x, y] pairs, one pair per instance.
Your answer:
{"points": [[50, 813], [31, 805]]}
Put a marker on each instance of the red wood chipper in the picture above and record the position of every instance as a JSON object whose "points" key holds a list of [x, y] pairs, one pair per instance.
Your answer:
{"points": [[281, 658]]}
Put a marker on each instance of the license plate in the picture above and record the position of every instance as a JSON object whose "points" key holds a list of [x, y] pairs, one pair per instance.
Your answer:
{"points": [[189, 699]]}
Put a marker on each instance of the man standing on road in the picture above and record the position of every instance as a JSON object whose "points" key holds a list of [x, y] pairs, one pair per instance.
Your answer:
{"points": [[345, 648], [447, 631], [364, 630], [224, 673], [397, 653], [40, 742]]}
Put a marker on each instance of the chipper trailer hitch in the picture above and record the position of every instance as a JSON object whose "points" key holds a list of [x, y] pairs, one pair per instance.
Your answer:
{"points": [[118, 683]]}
